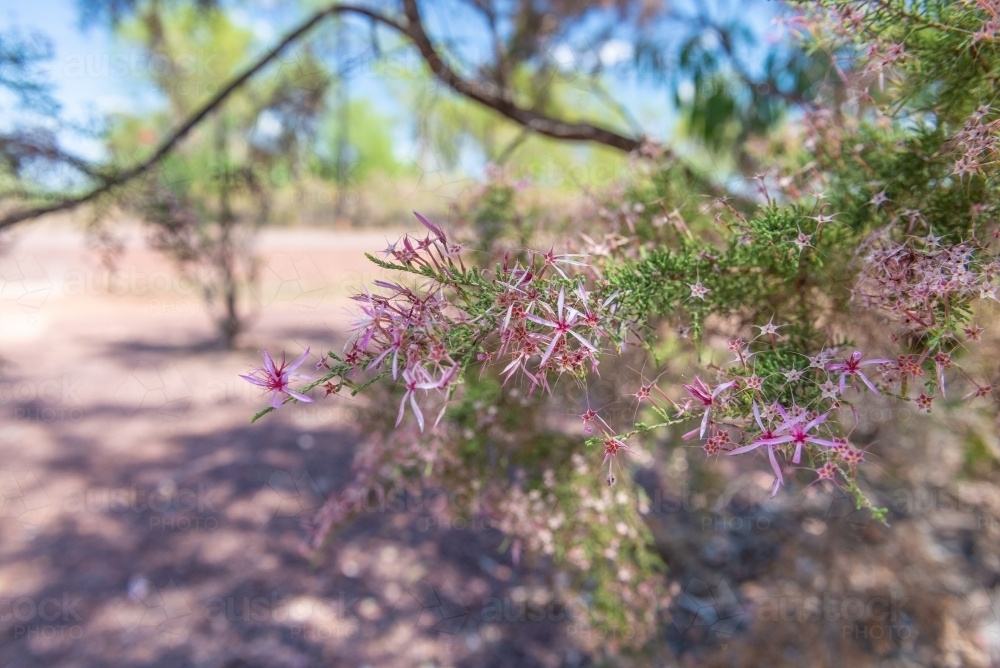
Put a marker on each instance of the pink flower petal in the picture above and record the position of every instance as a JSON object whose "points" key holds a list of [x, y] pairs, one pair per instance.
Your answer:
{"points": [[745, 448], [416, 411], [269, 363], [256, 381], [299, 360]]}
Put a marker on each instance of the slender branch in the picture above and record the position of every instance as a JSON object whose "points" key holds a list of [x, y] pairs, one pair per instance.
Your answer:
{"points": [[511, 147], [503, 102], [502, 71]]}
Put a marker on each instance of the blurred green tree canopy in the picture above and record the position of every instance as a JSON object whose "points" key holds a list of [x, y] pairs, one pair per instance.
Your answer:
{"points": [[543, 85]]}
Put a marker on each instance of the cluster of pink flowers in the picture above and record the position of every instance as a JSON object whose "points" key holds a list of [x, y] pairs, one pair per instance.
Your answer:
{"points": [[797, 427], [539, 321], [847, 20], [795, 430], [976, 143], [988, 31], [881, 62], [914, 281], [563, 330], [735, 417], [531, 315], [405, 331]]}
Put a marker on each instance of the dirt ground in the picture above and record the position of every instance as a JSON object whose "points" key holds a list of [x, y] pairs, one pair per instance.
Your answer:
{"points": [[145, 522]]}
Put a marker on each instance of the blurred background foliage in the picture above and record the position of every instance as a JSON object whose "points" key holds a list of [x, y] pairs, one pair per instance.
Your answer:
{"points": [[350, 125], [354, 100]]}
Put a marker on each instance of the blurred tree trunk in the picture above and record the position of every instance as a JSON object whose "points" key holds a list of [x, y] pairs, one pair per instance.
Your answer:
{"points": [[229, 323]]}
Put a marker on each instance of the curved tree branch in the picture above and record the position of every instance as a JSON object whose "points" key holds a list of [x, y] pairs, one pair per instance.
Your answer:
{"points": [[500, 100]]}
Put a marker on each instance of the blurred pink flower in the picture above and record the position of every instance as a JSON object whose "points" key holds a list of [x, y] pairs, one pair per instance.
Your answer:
{"points": [[565, 319], [707, 397], [414, 382], [851, 367], [766, 434], [276, 379], [798, 433]]}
